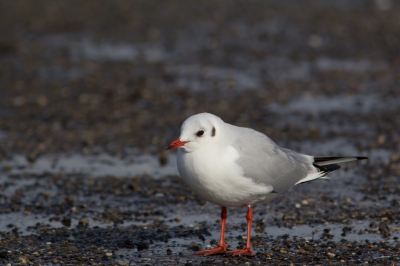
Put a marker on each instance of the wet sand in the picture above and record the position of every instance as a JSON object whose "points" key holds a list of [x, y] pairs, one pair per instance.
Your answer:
{"points": [[91, 93]]}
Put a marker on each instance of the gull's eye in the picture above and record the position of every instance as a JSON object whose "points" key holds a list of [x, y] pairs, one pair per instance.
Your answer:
{"points": [[200, 133]]}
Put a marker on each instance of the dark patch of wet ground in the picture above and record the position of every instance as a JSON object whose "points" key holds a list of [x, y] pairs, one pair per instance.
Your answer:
{"points": [[90, 78]]}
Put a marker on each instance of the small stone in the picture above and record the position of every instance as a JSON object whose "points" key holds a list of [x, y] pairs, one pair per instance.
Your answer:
{"points": [[283, 251], [193, 246], [258, 229], [36, 254], [66, 221], [19, 101], [163, 159], [42, 100], [7, 168], [384, 229], [69, 198], [4, 254], [304, 202], [142, 245], [169, 252], [108, 254], [83, 222], [32, 157], [23, 259], [330, 255], [314, 41], [301, 251], [373, 225], [381, 139]]}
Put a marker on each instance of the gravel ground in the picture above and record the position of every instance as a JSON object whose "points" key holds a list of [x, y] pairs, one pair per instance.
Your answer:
{"points": [[92, 91]]}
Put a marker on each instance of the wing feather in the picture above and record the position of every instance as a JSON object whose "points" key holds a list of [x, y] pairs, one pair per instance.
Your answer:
{"points": [[266, 163]]}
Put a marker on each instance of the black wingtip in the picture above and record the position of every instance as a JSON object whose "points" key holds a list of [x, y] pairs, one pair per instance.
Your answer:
{"points": [[330, 164], [326, 158], [327, 168]]}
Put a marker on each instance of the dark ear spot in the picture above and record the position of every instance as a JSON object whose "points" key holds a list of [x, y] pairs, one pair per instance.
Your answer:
{"points": [[213, 132]]}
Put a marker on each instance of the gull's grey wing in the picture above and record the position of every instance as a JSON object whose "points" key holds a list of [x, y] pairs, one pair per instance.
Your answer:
{"points": [[265, 162]]}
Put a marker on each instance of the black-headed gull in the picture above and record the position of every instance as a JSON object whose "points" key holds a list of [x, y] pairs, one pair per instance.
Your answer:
{"points": [[234, 166]]}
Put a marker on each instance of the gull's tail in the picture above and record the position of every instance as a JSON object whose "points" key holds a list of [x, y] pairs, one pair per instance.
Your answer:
{"points": [[327, 165], [330, 164]]}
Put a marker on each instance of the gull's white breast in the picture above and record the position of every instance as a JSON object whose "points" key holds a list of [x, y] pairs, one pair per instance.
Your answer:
{"points": [[214, 174]]}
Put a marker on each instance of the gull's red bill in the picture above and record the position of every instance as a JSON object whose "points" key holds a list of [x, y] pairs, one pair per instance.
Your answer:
{"points": [[176, 144]]}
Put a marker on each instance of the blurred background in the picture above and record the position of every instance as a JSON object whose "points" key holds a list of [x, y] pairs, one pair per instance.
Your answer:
{"points": [[92, 91], [115, 74]]}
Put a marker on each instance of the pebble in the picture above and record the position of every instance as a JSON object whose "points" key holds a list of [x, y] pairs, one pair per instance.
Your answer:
{"points": [[84, 222], [23, 260], [193, 246], [331, 255]]}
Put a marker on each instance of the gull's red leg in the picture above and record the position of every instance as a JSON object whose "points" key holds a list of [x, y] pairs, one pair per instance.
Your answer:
{"points": [[222, 245], [247, 251]]}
